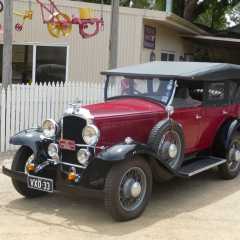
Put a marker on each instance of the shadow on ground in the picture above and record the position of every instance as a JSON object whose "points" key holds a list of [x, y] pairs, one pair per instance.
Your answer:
{"points": [[169, 199]]}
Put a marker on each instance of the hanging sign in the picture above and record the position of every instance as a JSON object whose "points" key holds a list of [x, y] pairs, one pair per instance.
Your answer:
{"points": [[149, 37]]}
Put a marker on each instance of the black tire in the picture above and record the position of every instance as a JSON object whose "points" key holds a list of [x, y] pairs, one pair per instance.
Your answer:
{"points": [[156, 136], [227, 171], [18, 164], [113, 185]]}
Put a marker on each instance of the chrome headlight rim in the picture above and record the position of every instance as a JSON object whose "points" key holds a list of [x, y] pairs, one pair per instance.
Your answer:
{"points": [[83, 161], [55, 154], [95, 138], [49, 133]]}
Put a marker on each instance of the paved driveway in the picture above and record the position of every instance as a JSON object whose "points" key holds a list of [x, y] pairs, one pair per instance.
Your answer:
{"points": [[201, 208]]}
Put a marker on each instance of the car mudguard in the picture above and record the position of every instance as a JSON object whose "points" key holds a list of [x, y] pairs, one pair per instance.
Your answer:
{"points": [[233, 127], [224, 135], [122, 151], [32, 138]]}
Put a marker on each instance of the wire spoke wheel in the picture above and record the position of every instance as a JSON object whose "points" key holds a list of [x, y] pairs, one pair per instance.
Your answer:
{"points": [[234, 155], [60, 25], [170, 148], [132, 189]]}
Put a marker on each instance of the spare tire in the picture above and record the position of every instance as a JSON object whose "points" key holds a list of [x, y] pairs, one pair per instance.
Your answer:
{"points": [[167, 141]]}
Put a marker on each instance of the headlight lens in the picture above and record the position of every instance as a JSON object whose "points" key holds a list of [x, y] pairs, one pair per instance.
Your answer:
{"points": [[83, 156], [49, 128], [90, 134], [53, 150]]}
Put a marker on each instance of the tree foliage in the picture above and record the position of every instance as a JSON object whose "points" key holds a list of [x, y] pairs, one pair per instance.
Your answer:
{"points": [[234, 14], [211, 13]]}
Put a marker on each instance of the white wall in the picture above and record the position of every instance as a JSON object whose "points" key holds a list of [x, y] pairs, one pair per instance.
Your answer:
{"points": [[166, 40], [88, 57]]}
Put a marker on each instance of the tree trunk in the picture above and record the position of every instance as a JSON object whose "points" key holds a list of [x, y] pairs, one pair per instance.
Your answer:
{"points": [[190, 9]]}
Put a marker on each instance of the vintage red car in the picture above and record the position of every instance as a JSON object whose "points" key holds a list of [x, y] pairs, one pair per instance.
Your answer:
{"points": [[159, 120]]}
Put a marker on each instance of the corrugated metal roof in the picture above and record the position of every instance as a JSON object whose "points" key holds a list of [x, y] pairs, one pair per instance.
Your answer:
{"points": [[181, 70]]}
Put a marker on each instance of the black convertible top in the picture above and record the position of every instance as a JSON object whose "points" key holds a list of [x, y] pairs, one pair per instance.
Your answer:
{"points": [[181, 70]]}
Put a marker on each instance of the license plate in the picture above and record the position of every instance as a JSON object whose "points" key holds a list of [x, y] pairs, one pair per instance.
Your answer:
{"points": [[67, 144], [39, 183]]}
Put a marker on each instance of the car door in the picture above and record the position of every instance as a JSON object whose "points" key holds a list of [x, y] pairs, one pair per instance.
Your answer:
{"points": [[189, 118], [189, 112], [216, 111]]}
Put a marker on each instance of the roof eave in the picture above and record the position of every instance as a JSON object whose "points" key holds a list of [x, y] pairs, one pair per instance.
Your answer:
{"points": [[184, 24]]}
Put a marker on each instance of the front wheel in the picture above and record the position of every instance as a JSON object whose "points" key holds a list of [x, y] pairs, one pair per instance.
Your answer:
{"points": [[231, 168], [128, 188], [22, 157]]}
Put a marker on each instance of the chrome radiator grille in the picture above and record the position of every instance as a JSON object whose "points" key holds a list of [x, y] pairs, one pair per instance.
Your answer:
{"points": [[72, 130]]}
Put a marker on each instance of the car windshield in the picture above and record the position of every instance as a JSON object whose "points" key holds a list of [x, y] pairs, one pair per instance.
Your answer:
{"points": [[156, 89]]}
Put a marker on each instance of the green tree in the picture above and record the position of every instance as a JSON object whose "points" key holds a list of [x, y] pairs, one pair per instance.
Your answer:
{"points": [[211, 13], [234, 14]]}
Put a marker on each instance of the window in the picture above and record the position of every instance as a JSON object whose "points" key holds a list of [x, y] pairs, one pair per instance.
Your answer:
{"points": [[216, 91], [33, 63], [123, 86], [22, 64], [167, 56], [50, 64], [188, 94], [234, 91]]}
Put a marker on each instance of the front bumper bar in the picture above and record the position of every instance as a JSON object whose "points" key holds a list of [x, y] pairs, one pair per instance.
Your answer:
{"points": [[60, 185]]}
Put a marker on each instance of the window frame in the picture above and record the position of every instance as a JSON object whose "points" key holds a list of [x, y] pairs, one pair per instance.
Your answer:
{"points": [[34, 55], [168, 54], [35, 45]]}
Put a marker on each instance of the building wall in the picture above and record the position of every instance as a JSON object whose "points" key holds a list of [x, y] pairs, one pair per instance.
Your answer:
{"points": [[167, 40], [88, 57]]}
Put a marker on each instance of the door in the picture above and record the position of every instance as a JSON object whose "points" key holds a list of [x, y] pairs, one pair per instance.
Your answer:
{"points": [[190, 119], [216, 111], [189, 112]]}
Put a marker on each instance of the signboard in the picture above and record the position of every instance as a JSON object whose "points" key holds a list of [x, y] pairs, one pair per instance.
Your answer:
{"points": [[149, 37]]}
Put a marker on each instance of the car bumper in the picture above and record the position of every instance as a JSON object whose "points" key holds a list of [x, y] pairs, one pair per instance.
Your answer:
{"points": [[59, 185]]}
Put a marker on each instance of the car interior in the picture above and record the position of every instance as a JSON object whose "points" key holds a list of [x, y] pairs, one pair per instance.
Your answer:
{"points": [[188, 95]]}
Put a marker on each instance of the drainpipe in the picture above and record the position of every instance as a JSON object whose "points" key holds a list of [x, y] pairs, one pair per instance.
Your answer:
{"points": [[169, 6]]}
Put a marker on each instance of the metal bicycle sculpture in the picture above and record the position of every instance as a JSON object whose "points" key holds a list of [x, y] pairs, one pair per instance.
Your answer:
{"points": [[25, 15], [60, 24]]}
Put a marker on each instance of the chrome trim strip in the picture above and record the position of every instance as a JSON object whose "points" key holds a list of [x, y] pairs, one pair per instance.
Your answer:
{"points": [[67, 164], [207, 167], [173, 94]]}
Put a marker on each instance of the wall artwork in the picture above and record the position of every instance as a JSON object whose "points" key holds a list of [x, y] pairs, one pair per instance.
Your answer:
{"points": [[149, 37]]}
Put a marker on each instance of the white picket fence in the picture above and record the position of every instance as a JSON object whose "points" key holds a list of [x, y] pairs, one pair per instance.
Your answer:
{"points": [[26, 106]]}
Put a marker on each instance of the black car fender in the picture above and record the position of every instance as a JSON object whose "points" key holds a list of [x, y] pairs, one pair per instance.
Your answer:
{"points": [[32, 138], [233, 127], [123, 151], [224, 135]]}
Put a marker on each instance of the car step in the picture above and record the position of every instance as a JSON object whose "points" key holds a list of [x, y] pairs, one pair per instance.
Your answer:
{"points": [[200, 165]]}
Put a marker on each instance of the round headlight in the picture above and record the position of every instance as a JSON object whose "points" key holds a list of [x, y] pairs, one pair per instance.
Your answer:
{"points": [[49, 128], [90, 134], [83, 156], [53, 150]]}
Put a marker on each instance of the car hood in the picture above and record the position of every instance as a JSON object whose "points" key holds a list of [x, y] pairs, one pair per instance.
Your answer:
{"points": [[123, 107]]}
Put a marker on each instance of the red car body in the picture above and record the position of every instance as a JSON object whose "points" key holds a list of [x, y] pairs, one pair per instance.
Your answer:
{"points": [[158, 120]]}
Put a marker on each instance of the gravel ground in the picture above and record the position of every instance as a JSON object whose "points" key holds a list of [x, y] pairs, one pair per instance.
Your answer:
{"points": [[204, 207]]}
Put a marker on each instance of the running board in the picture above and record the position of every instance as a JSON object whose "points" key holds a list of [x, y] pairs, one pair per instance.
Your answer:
{"points": [[200, 165]]}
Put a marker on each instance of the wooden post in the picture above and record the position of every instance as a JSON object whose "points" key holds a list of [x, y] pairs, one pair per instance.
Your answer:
{"points": [[7, 43], [113, 43]]}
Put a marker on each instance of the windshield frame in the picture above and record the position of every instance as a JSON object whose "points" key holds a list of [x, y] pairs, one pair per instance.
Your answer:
{"points": [[169, 102]]}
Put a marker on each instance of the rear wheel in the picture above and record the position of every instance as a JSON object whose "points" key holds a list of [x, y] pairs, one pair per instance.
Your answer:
{"points": [[128, 188], [231, 168], [24, 156]]}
